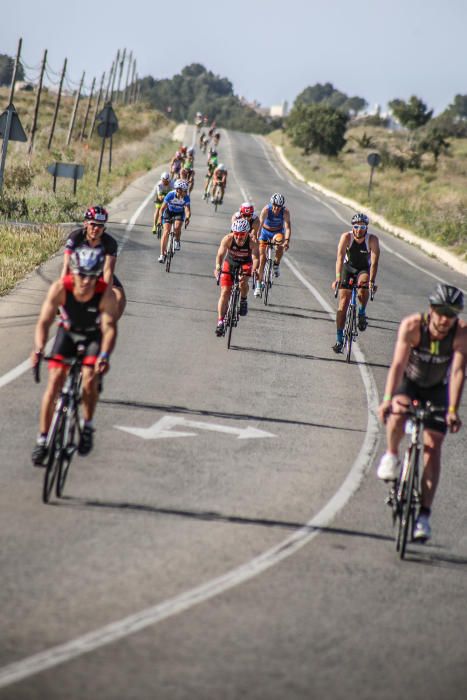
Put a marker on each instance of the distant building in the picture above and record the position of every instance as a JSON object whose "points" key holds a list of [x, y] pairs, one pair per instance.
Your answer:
{"points": [[279, 110]]}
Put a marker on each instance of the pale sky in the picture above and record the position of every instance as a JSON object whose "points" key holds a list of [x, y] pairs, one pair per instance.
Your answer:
{"points": [[269, 49]]}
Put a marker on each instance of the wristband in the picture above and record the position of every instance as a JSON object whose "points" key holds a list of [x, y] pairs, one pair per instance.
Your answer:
{"points": [[452, 409], [338, 275], [387, 397], [218, 268], [104, 356]]}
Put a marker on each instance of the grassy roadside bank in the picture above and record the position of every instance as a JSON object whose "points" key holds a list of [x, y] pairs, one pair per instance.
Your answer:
{"points": [[431, 201], [143, 141]]}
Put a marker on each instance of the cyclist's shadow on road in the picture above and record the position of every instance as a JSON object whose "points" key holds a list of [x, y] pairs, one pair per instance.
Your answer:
{"points": [[301, 356]]}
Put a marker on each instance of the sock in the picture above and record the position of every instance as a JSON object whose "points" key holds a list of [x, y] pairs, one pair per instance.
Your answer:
{"points": [[361, 310], [41, 438], [340, 336], [425, 511], [243, 298], [88, 424]]}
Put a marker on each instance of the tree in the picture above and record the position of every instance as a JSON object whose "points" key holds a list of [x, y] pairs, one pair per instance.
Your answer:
{"points": [[328, 94], [411, 114], [318, 127], [434, 142], [7, 65], [459, 106]]}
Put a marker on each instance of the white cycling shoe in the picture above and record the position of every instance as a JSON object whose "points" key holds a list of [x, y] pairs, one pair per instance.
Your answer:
{"points": [[257, 291], [388, 468], [422, 529]]}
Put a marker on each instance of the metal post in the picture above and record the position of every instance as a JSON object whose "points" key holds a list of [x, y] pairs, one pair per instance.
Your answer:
{"points": [[38, 100], [75, 109], [110, 154], [133, 77], [122, 62], [6, 136], [100, 162], [371, 179], [114, 76], [130, 60], [138, 89], [109, 82], [57, 105], [75, 178], [15, 72], [87, 110], [99, 96]]}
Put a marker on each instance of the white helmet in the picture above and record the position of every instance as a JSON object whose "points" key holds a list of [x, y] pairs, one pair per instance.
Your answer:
{"points": [[241, 226], [277, 199], [165, 176], [221, 166], [181, 185], [191, 151]]}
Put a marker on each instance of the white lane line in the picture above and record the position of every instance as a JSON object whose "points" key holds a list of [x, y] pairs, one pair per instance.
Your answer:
{"points": [[23, 367], [134, 623], [341, 218], [245, 194]]}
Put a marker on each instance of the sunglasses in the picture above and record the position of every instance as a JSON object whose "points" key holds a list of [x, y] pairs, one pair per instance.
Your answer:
{"points": [[94, 224], [448, 311], [84, 276], [361, 227]]}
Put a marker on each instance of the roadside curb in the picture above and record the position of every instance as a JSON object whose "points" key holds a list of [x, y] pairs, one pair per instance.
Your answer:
{"points": [[432, 249]]}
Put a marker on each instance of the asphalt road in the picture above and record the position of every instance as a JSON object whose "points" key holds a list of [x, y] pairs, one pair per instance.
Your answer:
{"points": [[204, 563]]}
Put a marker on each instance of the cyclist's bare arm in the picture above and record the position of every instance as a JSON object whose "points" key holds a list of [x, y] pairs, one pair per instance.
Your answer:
{"points": [[287, 228], [222, 252], [408, 336], [373, 243], [109, 312], [341, 249], [458, 367], [187, 214], [162, 210], [109, 267], [262, 217], [254, 252], [66, 264], [55, 297]]}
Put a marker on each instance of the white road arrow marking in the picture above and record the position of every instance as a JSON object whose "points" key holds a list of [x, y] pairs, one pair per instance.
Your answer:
{"points": [[163, 429]]}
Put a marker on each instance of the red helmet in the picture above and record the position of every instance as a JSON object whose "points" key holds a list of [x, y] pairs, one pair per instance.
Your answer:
{"points": [[97, 214], [247, 209]]}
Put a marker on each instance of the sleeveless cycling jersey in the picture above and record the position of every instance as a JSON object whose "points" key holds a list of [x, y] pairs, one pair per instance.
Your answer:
{"points": [[81, 316], [274, 222], [239, 254], [77, 239], [430, 361], [358, 255], [162, 190]]}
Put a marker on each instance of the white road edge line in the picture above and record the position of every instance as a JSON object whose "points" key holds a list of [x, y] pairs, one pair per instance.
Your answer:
{"points": [[23, 367], [134, 623]]}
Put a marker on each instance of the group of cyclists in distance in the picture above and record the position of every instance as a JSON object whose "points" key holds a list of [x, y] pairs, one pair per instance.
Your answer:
{"points": [[88, 299]]}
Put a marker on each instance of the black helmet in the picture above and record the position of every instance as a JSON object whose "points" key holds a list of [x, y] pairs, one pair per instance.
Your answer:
{"points": [[360, 218], [447, 295], [87, 261], [97, 214]]}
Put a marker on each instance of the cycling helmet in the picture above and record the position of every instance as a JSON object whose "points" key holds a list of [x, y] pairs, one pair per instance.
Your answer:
{"points": [[97, 213], [178, 154], [213, 152], [87, 261], [191, 151], [247, 209], [447, 295], [241, 226], [183, 149], [165, 176], [360, 219], [278, 199], [221, 166], [181, 185]]}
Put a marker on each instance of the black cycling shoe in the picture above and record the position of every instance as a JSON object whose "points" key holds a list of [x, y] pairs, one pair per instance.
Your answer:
{"points": [[362, 322], [86, 441], [243, 307], [338, 347], [39, 453], [220, 329]]}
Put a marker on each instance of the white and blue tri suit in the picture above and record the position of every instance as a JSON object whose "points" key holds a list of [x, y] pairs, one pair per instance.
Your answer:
{"points": [[274, 223], [175, 207]]}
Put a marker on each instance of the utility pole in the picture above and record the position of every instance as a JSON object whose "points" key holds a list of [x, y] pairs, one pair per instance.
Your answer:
{"points": [[133, 83], [87, 110], [99, 97], [15, 72], [130, 60], [75, 109], [38, 100], [122, 63], [114, 76], [57, 105]]}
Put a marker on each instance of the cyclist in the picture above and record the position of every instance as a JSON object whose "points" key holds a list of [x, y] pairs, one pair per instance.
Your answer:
{"points": [[187, 173], [247, 211], [219, 179], [89, 316], [176, 165], [237, 249], [357, 262], [176, 208], [216, 138], [93, 235], [163, 187], [203, 141], [428, 365], [212, 165], [274, 222]]}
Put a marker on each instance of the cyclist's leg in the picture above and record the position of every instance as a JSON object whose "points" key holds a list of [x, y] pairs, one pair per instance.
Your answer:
{"points": [[165, 234], [433, 441], [90, 392], [343, 303], [120, 296], [178, 229], [56, 378], [363, 296]]}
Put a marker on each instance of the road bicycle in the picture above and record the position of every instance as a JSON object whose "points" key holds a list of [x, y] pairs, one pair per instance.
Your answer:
{"points": [[65, 431], [171, 245], [404, 496], [268, 272], [350, 328], [159, 230], [232, 316], [207, 189], [216, 195]]}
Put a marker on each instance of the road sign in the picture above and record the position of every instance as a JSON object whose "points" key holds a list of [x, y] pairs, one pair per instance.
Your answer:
{"points": [[108, 115], [16, 130], [163, 429], [71, 170], [106, 129], [374, 159]]}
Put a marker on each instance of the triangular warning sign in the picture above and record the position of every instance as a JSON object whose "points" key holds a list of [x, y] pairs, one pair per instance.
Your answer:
{"points": [[16, 130]]}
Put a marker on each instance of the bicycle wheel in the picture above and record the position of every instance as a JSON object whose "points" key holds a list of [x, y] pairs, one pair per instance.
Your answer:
{"points": [[68, 449], [159, 231], [267, 280], [170, 252], [408, 508], [232, 315], [348, 332], [55, 441]]}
